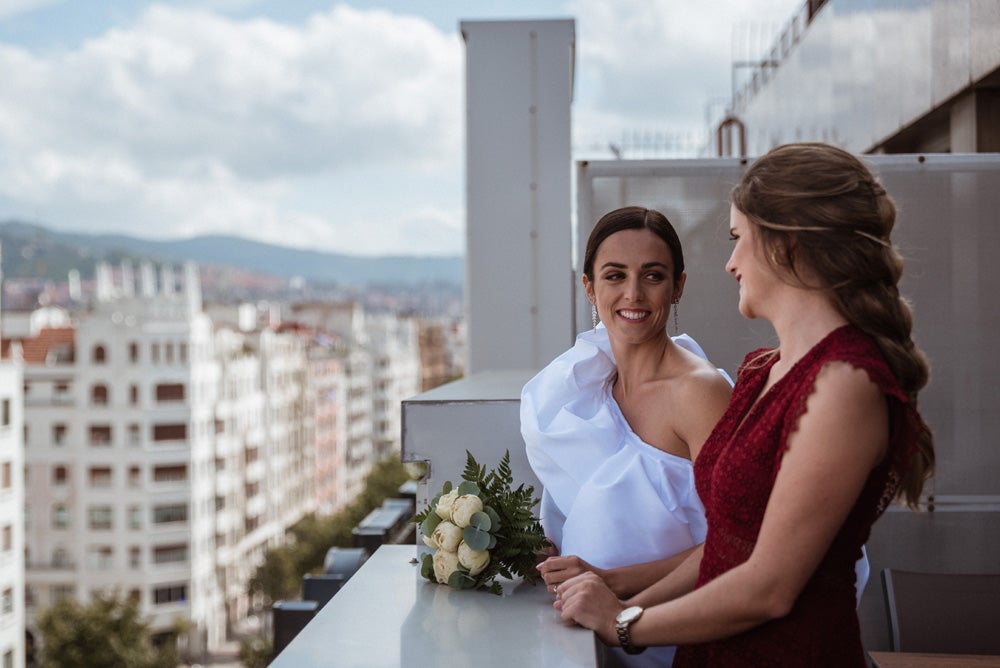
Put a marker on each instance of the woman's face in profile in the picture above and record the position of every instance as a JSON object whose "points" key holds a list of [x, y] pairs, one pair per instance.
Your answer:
{"points": [[633, 285]]}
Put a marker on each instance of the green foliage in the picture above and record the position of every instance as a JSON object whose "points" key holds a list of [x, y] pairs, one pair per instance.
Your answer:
{"points": [[280, 575], [255, 653], [107, 633], [506, 526]]}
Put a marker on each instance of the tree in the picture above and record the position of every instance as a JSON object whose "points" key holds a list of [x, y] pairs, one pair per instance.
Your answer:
{"points": [[109, 632], [280, 575]]}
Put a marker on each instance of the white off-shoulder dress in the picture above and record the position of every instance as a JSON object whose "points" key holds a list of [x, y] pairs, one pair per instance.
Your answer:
{"points": [[608, 496]]}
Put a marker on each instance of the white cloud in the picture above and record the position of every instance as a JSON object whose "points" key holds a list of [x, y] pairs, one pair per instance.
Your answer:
{"points": [[657, 66], [342, 131], [192, 122]]}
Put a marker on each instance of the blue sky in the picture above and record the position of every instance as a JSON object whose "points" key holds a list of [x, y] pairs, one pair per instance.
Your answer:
{"points": [[329, 125]]}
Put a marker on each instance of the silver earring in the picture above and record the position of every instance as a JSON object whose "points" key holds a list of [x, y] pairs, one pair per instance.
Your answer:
{"points": [[677, 328], [593, 314]]}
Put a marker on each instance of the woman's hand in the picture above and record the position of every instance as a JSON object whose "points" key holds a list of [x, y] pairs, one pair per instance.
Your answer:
{"points": [[556, 570], [587, 601]]}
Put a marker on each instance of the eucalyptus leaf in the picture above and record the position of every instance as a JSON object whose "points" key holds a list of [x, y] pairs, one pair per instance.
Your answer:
{"points": [[461, 580], [481, 521], [494, 517], [429, 524], [446, 487], [476, 538], [468, 487], [427, 567]]}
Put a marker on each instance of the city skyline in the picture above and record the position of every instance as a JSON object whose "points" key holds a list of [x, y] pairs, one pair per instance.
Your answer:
{"points": [[335, 126]]}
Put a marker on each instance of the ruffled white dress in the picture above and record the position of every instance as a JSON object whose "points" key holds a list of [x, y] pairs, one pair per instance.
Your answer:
{"points": [[608, 497]]}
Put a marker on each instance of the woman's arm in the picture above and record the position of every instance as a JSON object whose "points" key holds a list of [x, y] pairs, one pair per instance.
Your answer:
{"points": [[839, 440], [623, 581]]}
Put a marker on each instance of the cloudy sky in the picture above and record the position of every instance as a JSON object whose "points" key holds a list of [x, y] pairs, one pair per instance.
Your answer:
{"points": [[319, 124]]}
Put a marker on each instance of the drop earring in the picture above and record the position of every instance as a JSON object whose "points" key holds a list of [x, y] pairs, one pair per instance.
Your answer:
{"points": [[593, 314], [677, 328]]}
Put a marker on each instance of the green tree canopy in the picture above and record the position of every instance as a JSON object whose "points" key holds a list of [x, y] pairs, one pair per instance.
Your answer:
{"points": [[107, 633], [280, 576]]}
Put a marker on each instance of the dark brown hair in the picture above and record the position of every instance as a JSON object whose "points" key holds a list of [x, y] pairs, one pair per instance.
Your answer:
{"points": [[819, 207]]}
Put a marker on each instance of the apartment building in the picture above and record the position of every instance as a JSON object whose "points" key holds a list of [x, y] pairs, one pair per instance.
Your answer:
{"points": [[395, 348], [164, 457], [12, 638]]}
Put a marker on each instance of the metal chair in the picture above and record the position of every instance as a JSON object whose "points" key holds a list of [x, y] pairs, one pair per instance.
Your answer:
{"points": [[942, 612]]}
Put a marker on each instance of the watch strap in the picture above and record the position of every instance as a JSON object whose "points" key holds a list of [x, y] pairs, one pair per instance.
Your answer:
{"points": [[625, 637]]}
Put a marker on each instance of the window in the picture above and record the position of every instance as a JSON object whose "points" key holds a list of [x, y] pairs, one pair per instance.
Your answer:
{"points": [[134, 435], [154, 353], [60, 558], [100, 476], [170, 392], [168, 351], [135, 518], [99, 395], [58, 434], [59, 475], [170, 554], [172, 513], [171, 594], [182, 352], [100, 557], [7, 538], [134, 476], [99, 355], [99, 517], [5, 412], [100, 435], [135, 558], [170, 473], [59, 592], [133, 394], [60, 391], [133, 352], [7, 604], [5, 479], [169, 432], [60, 516]]}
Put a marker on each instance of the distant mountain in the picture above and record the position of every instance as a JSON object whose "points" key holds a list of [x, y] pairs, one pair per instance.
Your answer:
{"points": [[31, 250]]}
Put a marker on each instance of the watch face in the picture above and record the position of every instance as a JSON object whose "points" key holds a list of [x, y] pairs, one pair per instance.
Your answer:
{"points": [[629, 614]]}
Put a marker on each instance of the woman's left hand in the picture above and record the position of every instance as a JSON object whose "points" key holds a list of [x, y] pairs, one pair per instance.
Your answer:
{"points": [[587, 601]]}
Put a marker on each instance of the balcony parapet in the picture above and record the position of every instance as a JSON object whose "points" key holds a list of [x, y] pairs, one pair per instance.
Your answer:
{"points": [[387, 615]]}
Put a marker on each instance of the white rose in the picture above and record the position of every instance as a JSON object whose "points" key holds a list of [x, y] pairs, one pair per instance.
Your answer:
{"points": [[464, 507], [474, 560], [445, 563], [447, 536], [430, 542], [443, 508]]}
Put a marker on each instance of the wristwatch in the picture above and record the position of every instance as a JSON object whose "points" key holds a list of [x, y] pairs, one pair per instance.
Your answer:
{"points": [[622, 621]]}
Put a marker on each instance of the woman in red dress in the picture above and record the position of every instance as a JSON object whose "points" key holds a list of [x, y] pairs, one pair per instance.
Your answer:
{"points": [[822, 432]]}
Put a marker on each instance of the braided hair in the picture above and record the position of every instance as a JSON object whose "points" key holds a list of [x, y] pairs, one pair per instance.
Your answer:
{"points": [[818, 206]]}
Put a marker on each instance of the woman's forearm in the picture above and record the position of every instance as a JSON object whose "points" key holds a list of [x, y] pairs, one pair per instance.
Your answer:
{"points": [[627, 581], [678, 581]]}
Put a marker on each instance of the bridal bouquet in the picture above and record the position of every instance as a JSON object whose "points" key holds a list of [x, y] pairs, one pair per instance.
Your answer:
{"points": [[480, 530]]}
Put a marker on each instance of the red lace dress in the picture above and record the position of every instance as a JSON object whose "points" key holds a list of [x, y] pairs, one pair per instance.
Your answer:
{"points": [[734, 474]]}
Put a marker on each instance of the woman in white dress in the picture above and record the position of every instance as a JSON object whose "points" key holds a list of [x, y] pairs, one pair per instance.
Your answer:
{"points": [[612, 425]]}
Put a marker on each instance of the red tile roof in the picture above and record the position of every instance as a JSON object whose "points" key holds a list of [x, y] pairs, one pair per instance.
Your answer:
{"points": [[36, 349]]}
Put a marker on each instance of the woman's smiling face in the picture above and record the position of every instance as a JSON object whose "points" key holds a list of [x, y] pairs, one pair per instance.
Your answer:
{"points": [[756, 278], [633, 285]]}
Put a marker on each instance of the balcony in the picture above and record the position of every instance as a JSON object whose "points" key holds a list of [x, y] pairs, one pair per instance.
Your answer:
{"points": [[387, 615]]}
